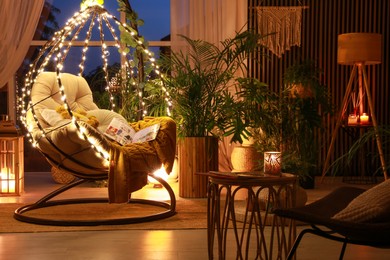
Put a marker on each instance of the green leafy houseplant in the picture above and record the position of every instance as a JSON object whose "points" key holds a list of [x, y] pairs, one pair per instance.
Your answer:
{"points": [[203, 106], [200, 83], [143, 92], [302, 118], [299, 120], [302, 79], [252, 108], [363, 142], [135, 91]]}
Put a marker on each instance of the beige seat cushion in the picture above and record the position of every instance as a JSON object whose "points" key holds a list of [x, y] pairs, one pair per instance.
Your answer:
{"points": [[61, 133], [73, 152], [372, 205]]}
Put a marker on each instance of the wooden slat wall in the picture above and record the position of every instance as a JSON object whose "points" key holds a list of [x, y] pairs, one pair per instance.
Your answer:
{"points": [[322, 23]]}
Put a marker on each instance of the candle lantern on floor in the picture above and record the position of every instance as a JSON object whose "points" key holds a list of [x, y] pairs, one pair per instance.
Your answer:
{"points": [[273, 163], [11, 159]]}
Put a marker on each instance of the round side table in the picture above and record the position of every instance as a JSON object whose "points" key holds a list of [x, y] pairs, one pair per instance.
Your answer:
{"points": [[258, 233]]}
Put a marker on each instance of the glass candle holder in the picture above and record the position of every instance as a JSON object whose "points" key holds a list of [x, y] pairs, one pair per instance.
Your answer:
{"points": [[352, 119], [272, 163], [364, 119]]}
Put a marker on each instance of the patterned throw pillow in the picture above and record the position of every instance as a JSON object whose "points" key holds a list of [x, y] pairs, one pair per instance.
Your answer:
{"points": [[372, 205]]}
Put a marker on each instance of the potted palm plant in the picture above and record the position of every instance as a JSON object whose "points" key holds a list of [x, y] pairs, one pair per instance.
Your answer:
{"points": [[199, 87]]}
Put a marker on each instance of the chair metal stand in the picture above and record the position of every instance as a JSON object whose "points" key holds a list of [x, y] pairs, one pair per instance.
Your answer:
{"points": [[319, 215], [319, 232], [315, 230], [46, 201]]}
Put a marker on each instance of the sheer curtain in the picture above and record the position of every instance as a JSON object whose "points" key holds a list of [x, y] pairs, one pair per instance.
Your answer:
{"points": [[210, 20], [18, 21], [213, 21]]}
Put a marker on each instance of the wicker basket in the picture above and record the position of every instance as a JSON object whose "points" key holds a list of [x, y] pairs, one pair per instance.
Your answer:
{"points": [[61, 176]]}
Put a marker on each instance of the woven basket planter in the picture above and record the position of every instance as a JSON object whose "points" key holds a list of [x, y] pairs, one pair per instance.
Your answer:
{"points": [[61, 176]]}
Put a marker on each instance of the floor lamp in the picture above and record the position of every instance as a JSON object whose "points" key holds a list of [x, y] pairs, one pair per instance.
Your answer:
{"points": [[359, 50]]}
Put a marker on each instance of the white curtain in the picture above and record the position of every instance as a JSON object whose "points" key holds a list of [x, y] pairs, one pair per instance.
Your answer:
{"points": [[209, 20], [18, 21], [212, 21]]}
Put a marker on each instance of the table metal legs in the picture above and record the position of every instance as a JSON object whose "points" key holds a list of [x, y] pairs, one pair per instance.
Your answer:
{"points": [[258, 234]]}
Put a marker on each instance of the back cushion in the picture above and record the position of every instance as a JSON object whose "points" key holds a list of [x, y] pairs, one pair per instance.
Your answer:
{"points": [[45, 93], [372, 205]]}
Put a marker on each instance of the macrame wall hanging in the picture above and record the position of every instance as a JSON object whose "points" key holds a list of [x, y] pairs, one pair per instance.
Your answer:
{"points": [[282, 25]]}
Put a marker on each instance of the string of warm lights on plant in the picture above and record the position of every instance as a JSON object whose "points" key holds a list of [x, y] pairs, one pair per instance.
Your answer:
{"points": [[57, 50]]}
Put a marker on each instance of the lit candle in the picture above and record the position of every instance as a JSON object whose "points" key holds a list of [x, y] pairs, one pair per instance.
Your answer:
{"points": [[272, 163], [352, 119], [8, 187], [364, 119], [8, 183]]}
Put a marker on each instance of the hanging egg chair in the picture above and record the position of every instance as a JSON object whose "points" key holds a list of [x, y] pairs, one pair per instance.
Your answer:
{"points": [[67, 127]]}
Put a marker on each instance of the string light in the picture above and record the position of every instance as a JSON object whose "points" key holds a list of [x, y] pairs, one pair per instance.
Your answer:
{"points": [[58, 48]]}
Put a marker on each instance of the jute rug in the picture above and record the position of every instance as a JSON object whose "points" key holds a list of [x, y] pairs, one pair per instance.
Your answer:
{"points": [[191, 214]]}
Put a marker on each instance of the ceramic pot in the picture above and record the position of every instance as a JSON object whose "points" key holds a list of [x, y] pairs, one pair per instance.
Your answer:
{"points": [[245, 159]]}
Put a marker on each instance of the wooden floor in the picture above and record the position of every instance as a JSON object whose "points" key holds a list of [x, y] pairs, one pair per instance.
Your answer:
{"points": [[142, 244]]}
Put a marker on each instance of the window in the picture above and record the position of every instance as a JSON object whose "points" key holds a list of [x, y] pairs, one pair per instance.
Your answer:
{"points": [[156, 29]]}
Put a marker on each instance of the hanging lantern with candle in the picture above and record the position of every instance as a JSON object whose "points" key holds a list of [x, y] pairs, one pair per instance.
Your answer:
{"points": [[11, 159]]}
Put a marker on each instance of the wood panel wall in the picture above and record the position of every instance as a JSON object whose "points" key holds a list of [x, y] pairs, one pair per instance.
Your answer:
{"points": [[323, 21]]}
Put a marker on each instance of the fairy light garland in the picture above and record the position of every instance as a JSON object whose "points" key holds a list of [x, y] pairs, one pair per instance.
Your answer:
{"points": [[57, 49], [105, 62], [85, 48]]}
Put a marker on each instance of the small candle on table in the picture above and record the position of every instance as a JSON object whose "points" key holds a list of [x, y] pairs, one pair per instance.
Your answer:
{"points": [[272, 163], [352, 119], [364, 119]]}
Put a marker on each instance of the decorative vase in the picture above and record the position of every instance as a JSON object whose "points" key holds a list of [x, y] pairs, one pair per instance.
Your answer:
{"points": [[245, 159], [196, 154]]}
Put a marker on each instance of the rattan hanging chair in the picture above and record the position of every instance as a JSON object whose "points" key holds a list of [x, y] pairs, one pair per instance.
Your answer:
{"points": [[79, 146]]}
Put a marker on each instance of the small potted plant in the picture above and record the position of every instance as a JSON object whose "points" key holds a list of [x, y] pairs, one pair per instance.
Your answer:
{"points": [[252, 109], [302, 79]]}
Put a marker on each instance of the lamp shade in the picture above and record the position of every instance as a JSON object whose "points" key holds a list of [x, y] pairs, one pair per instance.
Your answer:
{"points": [[359, 47]]}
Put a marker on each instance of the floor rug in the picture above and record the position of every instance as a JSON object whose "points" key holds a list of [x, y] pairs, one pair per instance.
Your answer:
{"points": [[191, 214]]}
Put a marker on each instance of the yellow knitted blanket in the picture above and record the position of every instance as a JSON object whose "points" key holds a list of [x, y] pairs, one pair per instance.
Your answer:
{"points": [[130, 164]]}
